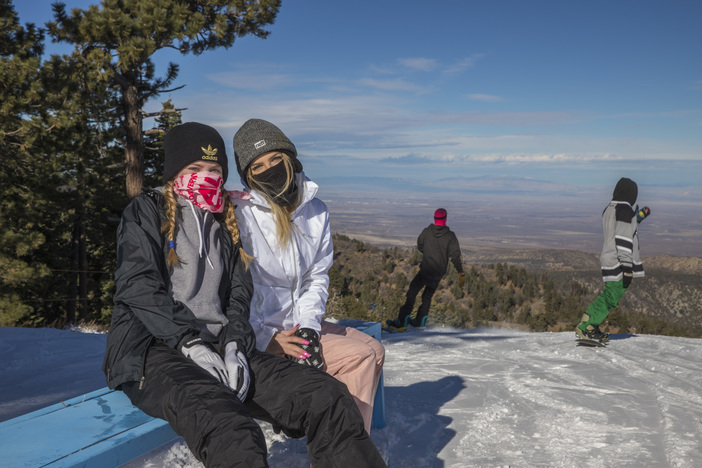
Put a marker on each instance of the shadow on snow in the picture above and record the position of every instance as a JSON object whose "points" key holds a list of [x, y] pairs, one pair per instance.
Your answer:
{"points": [[621, 336], [423, 432]]}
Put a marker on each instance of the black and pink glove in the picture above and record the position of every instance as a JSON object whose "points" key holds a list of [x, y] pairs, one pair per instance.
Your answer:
{"points": [[314, 349]]}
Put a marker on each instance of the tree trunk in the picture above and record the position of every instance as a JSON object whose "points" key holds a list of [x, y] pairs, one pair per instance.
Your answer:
{"points": [[82, 269], [134, 144], [73, 277]]}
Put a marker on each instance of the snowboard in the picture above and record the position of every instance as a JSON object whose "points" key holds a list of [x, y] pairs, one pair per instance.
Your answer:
{"points": [[387, 329], [591, 343], [409, 328]]}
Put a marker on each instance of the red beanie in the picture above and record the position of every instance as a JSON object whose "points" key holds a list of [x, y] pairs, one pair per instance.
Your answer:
{"points": [[440, 217]]}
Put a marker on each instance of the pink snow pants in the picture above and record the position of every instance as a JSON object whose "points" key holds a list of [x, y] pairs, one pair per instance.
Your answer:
{"points": [[355, 359]]}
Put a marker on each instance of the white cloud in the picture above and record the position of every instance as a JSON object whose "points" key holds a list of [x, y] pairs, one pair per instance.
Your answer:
{"points": [[484, 98], [674, 114], [408, 159], [418, 63], [507, 158], [542, 158], [370, 123], [463, 64], [524, 119], [251, 81], [386, 69], [397, 84]]}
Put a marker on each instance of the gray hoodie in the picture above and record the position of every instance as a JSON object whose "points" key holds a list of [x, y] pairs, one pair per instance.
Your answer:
{"points": [[197, 244]]}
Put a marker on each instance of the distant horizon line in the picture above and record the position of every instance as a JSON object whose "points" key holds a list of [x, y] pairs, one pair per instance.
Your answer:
{"points": [[383, 242]]}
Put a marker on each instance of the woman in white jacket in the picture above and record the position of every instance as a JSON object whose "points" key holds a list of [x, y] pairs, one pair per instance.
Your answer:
{"points": [[286, 229]]}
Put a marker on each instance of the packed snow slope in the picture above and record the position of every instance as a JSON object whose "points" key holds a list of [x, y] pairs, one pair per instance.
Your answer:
{"points": [[456, 398]]}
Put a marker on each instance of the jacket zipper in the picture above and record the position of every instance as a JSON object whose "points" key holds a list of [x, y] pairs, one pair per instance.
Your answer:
{"points": [[295, 276], [143, 366]]}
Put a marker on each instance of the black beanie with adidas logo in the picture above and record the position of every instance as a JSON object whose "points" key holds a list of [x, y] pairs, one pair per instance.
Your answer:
{"points": [[190, 142]]}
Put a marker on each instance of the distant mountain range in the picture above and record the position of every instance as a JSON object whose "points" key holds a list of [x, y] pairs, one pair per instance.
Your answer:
{"points": [[508, 212]]}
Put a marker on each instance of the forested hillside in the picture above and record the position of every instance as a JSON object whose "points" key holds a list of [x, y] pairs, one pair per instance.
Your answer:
{"points": [[538, 290]]}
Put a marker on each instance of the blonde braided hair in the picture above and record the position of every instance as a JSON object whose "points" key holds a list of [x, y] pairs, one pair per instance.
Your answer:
{"points": [[168, 226], [233, 226]]}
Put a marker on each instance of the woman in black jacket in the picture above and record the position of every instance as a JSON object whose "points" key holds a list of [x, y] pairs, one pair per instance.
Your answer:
{"points": [[180, 345]]}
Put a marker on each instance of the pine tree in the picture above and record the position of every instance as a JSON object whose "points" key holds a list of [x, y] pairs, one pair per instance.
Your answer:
{"points": [[61, 179], [87, 181], [21, 269], [167, 118], [121, 36]]}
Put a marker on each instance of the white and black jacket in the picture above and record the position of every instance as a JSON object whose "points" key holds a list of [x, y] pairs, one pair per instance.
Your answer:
{"points": [[621, 243]]}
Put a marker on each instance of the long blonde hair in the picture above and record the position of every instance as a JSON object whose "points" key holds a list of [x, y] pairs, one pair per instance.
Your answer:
{"points": [[170, 206], [282, 215]]}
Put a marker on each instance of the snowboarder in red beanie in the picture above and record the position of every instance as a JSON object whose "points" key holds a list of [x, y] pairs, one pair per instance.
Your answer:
{"points": [[438, 245]]}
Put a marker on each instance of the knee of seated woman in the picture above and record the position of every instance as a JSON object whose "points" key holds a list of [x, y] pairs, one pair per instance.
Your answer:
{"points": [[358, 351], [366, 351], [379, 350]]}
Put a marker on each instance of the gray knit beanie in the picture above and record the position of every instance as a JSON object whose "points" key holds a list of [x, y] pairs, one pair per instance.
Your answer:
{"points": [[257, 137], [190, 142]]}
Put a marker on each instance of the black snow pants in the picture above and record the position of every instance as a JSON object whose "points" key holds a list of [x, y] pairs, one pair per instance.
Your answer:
{"points": [[220, 430], [418, 282]]}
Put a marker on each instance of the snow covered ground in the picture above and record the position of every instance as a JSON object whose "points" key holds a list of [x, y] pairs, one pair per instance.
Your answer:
{"points": [[455, 398]]}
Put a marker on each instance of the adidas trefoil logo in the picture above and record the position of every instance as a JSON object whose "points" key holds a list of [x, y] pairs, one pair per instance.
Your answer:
{"points": [[210, 153]]}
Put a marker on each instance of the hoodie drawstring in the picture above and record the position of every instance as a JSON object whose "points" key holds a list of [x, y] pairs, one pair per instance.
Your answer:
{"points": [[201, 233]]}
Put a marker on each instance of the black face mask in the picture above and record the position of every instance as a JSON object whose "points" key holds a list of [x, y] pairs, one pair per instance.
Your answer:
{"points": [[271, 181]]}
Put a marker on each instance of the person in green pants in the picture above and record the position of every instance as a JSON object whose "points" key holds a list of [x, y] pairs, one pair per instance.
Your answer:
{"points": [[620, 260]]}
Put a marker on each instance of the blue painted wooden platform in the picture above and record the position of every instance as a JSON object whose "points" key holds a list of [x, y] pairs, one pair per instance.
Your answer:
{"points": [[98, 430]]}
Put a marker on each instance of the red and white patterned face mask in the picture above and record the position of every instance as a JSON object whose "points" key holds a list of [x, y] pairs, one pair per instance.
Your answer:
{"points": [[203, 189]]}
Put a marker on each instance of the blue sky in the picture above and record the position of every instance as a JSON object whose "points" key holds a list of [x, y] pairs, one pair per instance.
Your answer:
{"points": [[561, 91]]}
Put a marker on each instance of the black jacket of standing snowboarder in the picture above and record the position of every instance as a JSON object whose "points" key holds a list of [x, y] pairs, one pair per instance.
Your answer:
{"points": [[180, 345], [438, 245]]}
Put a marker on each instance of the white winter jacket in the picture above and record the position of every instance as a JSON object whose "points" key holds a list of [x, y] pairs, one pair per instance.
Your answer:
{"points": [[290, 282]]}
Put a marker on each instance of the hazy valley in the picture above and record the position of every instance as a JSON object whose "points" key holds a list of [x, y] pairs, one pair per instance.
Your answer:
{"points": [[491, 214]]}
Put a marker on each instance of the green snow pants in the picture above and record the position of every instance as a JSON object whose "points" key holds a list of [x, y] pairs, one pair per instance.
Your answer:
{"points": [[607, 300]]}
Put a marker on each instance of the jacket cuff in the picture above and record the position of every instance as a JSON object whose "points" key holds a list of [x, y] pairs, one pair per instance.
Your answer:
{"points": [[312, 324], [263, 338], [186, 340], [234, 345]]}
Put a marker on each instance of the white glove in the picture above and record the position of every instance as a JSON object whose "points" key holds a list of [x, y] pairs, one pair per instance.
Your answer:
{"points": [[207, 358], [238, 369]]}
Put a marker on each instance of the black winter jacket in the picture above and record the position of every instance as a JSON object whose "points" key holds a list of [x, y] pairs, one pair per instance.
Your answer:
{"points": [[438, 244], [144, 311]]}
